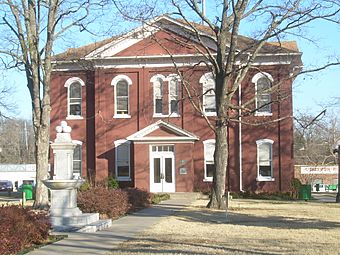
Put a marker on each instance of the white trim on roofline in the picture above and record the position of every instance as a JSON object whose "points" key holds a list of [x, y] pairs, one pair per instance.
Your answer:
{"points": [[126, 40], [165, 61], [183, 134], [136, 35], [150, 27]]}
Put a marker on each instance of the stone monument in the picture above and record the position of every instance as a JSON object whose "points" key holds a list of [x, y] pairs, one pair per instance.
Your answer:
{"points": [[65, 215]]}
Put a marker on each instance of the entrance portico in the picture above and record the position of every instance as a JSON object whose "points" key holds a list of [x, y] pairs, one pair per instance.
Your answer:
{"points": [[168, 150]]}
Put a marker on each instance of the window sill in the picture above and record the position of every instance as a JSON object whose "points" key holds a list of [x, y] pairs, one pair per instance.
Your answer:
{"points": [[263, 114], [74, 117], [210, 114], [121, 116], [265, 179], [172, 115], [207, 180], [124, 179]]}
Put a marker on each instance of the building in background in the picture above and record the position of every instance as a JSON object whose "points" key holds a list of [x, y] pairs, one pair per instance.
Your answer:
{"points": [[322, 178], [18, 173]]}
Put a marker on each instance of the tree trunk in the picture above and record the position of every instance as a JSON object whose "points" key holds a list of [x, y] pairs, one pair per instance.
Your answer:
{"points": [[42, 149], [217, 199]]}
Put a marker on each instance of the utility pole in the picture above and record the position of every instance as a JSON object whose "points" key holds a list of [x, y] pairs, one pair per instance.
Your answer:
{"points": [[203, 8], [337, 150]]}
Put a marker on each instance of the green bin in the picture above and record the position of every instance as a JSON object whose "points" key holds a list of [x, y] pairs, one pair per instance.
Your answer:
{"points": [[305, 192], [28, 190]]}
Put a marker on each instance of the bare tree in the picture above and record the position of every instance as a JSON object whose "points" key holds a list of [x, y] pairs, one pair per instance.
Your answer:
{"points": [[230, 56], [29, 31], [6, 106], [19, 149], [315, 137]]}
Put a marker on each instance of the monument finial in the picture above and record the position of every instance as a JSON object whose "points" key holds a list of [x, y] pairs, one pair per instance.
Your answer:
{"points": [[63, 128]]}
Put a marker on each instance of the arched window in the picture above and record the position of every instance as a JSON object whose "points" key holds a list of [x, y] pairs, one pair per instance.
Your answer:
{"points": [[263, 83], [209, 162], [265, 160], [74, 97], [209, 100], [121, 96], [158, 94], [174, 83]]}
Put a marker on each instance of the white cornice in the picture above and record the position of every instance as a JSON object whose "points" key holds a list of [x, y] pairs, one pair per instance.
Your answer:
{"points": [[166, 61]]}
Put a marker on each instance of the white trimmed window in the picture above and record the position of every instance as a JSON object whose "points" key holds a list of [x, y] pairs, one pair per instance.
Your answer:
{"points": [[158, 94], [121, 85], [263, 83], [122, 151], [209, 162], [174, 83], [77, 158], [265, 160], [74, 97], [209, 100]]}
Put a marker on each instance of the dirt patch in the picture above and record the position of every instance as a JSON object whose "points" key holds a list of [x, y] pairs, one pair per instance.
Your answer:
{"points": [[252, 227]]}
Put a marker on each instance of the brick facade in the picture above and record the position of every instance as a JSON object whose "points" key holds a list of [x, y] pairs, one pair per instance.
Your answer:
{"points": [[98, 129]]}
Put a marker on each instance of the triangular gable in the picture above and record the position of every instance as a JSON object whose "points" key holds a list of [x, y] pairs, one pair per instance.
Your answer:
{"points": [[162, 43], [139, 34], [112, 47], [161, 131]]}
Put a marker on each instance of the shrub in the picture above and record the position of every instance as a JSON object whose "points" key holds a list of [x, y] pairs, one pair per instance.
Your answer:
{"points": [[112, 203], [85, 186], [138, 198], [21, 228], [157, 198], [108, 202], [112, 183], [296, 185]]}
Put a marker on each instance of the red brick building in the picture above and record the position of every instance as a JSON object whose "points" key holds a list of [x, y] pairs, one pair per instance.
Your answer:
{"points": [[132, 119]]}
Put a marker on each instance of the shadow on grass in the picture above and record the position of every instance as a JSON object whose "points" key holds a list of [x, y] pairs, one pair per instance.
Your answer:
{"points": [[243, 219], [166, 245]]}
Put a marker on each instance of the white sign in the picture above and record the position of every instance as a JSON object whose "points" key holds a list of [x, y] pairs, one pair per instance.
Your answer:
{"points": [[319, 169]]}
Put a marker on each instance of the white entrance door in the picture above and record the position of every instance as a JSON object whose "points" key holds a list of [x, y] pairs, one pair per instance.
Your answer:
{"points": [[162, 168]]}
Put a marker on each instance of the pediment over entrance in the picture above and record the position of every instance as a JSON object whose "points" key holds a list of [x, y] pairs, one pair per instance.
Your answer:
{"points": [[162, 131]]}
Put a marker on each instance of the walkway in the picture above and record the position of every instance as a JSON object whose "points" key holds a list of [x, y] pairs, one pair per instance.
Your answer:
{"points": [[325, 197], [122, 229]]}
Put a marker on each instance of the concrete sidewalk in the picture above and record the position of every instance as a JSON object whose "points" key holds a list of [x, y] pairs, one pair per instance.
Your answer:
{"points": [[122, 229]]}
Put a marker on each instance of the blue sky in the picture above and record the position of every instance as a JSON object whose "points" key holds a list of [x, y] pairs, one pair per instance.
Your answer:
{"points": [[311, 92]]}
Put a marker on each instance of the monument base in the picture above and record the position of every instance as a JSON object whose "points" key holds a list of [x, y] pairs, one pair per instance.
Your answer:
{"points": [[62, 223]]}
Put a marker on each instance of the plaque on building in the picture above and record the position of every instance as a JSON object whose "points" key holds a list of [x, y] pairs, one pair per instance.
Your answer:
{"points": [[183, 170]]}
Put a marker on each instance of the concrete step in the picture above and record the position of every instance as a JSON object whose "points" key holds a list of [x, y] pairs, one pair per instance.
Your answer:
{"points": [[96, 226], [75, 221], [185, 195]]}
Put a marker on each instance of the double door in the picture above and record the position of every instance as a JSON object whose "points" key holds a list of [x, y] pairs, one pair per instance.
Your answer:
{"points": [[162, 168]]}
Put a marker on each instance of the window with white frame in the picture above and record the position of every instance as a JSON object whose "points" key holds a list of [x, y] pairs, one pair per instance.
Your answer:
{"points": [[265, 160], [74, 97], [77, 158], [122, 151], [121, 85], [263, 83], [209, 163], [158, 94], [174, 94], [209, 100]]}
